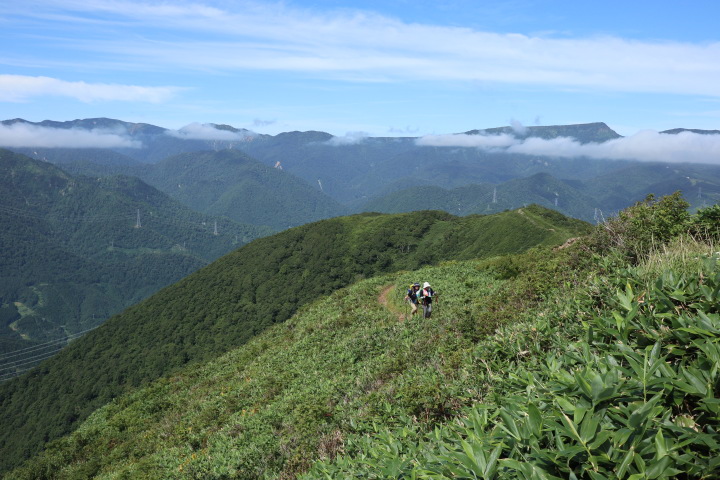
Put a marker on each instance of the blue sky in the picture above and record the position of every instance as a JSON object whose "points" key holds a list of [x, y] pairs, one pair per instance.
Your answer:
{"points": [[381, 67]]}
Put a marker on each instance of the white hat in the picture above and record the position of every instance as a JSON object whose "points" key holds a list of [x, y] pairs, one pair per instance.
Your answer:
{"points": [[426, 285]]}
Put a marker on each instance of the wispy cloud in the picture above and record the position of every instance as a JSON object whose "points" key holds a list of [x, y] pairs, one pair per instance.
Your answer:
{"points": [[357, 45], [259, 122], [350, 138], [198, 131], [646, 145], [462, 140], [20, 88], [20, 135], [408, 130]]}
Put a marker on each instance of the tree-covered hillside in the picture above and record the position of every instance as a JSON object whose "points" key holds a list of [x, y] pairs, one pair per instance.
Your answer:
{"points": [[226, 303], [541, 189], [76, 250], [597, 359], [231, 184], [356, 170]]}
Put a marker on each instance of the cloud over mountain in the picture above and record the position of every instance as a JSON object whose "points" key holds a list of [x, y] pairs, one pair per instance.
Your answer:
{"points": [[646, 145], [350, 138], [20, 135], [206, 131]]}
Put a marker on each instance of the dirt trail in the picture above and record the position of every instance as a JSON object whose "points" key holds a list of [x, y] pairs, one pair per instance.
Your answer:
{"points": [[383, 300]]}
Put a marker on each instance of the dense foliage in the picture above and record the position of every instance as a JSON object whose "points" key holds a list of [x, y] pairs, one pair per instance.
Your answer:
{"points": [[233, 185], [630, 393], [72, 255], [225, 304], [541, 189], [580, 362]]}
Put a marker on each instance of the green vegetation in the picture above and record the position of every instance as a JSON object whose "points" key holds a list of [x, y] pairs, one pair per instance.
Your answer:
{"points": [[541, 189], [593, 361], [72, 257], [205, 174], [231, 184], [621, 380], [225, 304]]}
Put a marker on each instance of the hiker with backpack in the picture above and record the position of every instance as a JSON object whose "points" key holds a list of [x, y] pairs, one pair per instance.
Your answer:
{"points": [[412, 298], [425, 297]]}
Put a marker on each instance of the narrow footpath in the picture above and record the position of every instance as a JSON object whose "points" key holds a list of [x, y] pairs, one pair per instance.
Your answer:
{"points": [[383, 299]]}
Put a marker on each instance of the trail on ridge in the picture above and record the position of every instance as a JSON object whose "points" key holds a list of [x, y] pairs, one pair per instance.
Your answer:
{"points": [[383, 299]]}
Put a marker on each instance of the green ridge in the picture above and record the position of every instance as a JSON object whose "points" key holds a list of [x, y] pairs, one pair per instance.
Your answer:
{"points": [[226, 303]]}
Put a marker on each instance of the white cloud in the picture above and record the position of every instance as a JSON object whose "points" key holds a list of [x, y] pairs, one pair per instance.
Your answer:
{"points": [[350, 138], [518, 127], [358, 45], [198, 131], [20, 88], [20, 135], [259, 122], [462, 140], [646, 145]]}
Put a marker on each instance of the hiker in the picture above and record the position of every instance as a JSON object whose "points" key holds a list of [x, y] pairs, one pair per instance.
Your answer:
{"points": [[425, 296], [412, 298]]}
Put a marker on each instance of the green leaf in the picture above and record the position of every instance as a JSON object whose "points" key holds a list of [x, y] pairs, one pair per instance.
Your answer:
{"points": [[535, 420], [660, 448], [626, 462]]}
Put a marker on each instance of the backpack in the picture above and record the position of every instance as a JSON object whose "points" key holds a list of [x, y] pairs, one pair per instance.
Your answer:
{"points": [[412, 295]]}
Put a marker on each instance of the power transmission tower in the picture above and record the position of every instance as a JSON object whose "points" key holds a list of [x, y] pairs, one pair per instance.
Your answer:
{"points": [[215, 232], [137, 224]]}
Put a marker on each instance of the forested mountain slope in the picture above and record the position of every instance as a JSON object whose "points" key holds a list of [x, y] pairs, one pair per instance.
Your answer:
{"points": [[76, 250], [355, 170], [595, 360], [233, 185], [226, 303], [541, 189]]}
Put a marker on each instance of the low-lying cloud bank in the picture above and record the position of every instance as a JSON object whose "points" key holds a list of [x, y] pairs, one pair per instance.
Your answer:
{"points": [[647, 145], [208, 131], [350, 138], [20, 135]]}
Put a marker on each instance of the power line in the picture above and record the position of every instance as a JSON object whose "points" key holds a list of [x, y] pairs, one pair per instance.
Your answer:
{"points": [[170, 220], [21, 351], [24, 361], [34, 360]]}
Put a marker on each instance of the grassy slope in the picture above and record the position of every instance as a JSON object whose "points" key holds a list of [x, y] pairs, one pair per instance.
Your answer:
{"points": [[228, 302], [294, 392], [636, 394], [632, 391]]}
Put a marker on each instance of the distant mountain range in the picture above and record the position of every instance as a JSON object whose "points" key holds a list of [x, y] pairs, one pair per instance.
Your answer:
{"points": [[269, 183], [354, 174], [76, 250]]}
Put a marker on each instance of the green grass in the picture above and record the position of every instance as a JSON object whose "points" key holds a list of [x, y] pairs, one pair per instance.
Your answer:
{"points": [[555, 363], [631, 391], [290, 394]]}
